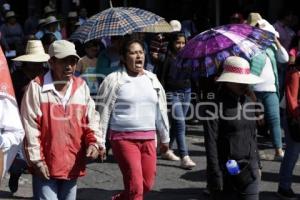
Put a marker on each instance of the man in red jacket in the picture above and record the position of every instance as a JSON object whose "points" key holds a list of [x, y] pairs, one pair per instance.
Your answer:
{"points": [[61, 126]]}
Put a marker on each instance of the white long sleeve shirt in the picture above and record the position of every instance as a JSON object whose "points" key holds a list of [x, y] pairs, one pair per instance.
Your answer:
{"points": [[267, 73], [12, 132]]}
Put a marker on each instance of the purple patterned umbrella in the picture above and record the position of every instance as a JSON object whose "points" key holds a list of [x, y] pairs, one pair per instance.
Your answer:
{"points": [[207, 50]]}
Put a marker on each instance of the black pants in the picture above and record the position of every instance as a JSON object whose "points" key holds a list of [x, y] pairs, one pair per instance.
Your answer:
{"points": [[251, 192]]}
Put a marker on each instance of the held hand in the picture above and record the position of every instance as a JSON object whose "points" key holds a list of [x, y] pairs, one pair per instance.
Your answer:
{"points": [[164, 147], [92, 152], [260, 120], [43, 171], [102, 153], [277, 42], [154, 56]]}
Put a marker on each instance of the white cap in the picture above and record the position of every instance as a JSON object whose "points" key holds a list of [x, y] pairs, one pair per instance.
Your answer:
{"points": [[176, 25], [61, 49]]}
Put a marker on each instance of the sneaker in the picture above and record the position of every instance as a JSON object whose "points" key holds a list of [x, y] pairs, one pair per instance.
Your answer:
{"points": [[286, 194], [169, 155], [187, 163], [279, 157], [264, 156], [13, 182]]}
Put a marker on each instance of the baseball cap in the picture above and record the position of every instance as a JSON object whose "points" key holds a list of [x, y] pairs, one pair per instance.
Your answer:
{"points": [[61, 49]]}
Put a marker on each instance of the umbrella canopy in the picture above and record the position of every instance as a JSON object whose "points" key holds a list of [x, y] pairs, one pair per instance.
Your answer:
{"points": [[207, 50], [82, 31], [160, 27], [116, 21]]}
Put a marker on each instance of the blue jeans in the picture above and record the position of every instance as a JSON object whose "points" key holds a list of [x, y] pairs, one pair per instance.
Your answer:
{"points": [[270, 100], [180, 102], [54, 189], [289, 161]]}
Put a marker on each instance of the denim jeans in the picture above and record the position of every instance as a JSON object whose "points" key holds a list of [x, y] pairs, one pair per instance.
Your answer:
{"points": [[54, 189], [270, 100], [180, 102], [289, 161]]}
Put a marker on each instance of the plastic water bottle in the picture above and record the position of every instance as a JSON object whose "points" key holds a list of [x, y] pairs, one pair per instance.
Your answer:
{"points": [[232, 167]]}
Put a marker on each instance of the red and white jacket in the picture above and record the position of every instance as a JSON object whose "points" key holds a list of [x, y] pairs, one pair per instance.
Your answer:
{"points": [[58, 135]]}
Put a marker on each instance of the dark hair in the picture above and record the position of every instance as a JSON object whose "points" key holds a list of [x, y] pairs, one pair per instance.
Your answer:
{"points": [[48, 38], [92, 43], [126, 44], [297, 62], [172, 38], [294, 42], [285, 12]]}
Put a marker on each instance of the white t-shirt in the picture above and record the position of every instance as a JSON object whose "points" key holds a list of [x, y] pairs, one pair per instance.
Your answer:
{"points": [[136, 106]]}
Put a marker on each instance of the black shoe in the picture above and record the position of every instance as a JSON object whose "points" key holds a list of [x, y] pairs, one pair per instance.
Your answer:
{"points": [[286, 194], [206, 192], [13, 183]]}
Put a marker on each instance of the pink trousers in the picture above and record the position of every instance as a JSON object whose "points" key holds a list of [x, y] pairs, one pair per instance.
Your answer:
{"points": [[137, 162]]}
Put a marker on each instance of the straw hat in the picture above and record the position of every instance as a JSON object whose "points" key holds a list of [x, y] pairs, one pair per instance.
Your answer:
{"points": [[237, 70], [10, 14], [50, 20], [176, 25], [78, 23], [41, 22], [72, 14], [253, 18], [34, 52], [48, 9]]}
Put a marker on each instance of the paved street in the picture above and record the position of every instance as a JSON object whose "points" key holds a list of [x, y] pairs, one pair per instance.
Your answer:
{"points": [[172, 183]]}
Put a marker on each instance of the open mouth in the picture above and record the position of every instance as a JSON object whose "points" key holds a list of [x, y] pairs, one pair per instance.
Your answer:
{"points": [[139, 63]]}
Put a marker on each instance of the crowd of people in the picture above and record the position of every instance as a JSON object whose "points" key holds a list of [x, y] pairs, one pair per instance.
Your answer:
{"points": [[128, 94]]}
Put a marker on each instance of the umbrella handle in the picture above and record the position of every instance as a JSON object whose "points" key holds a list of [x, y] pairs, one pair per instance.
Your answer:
{"points": [[110, 4]]}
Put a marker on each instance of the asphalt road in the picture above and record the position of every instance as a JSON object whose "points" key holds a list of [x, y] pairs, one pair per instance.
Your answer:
{"points": [[172, 183]]}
